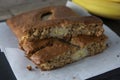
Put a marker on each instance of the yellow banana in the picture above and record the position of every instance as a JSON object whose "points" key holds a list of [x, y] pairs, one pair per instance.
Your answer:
{"points": [[104, 8]]}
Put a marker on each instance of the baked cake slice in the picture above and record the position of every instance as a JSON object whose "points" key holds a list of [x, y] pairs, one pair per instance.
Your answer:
{"points": [[62, 22], [58, 53]]}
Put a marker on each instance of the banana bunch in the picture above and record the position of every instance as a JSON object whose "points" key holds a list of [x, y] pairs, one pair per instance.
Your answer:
{"points": [[104, 8]]}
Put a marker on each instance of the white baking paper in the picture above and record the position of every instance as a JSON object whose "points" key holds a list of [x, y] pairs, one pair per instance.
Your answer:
{"points": [[80, 70], [7, 38]]}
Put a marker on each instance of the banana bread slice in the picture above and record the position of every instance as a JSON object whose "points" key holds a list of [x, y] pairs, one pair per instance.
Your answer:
{"points": [[60, 53], [62, 21]]}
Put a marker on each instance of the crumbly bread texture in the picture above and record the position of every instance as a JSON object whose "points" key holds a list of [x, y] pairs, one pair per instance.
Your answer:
{"points": [[62, 21], [60, 53], [55, 36]]}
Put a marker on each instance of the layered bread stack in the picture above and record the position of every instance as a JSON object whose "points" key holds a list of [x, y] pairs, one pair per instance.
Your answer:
{"points": [[55, 36]]}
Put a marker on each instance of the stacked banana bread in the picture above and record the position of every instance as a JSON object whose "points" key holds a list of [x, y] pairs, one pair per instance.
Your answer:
{"points": [[55, 36]]}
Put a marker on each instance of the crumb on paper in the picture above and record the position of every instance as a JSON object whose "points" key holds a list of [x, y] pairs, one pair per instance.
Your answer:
{"points": [[36, 67], [118, 55], [29, 67], [74, 77], [108, 44]]}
